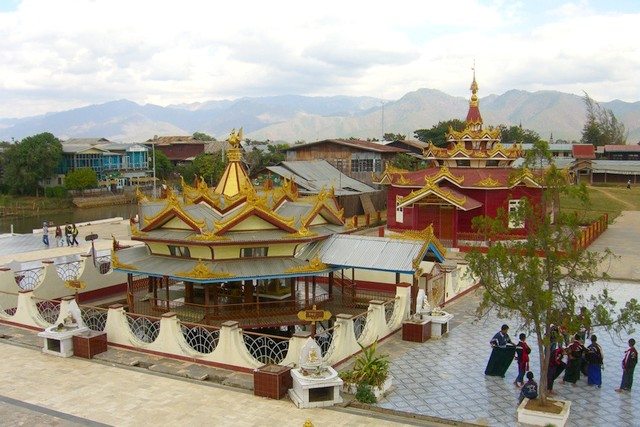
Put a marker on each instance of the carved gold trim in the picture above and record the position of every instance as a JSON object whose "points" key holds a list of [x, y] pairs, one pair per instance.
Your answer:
{"points": [[426, 234], [433, 187], [202, 271], [303, 232], [488, 182], [207, 236], [173, 204], [115, 262], [135, 231], [140, 197], [444, 172], [314, 265]]}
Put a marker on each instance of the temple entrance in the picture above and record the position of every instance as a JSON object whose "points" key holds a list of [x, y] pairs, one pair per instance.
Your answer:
{"points": [[447, 229]]}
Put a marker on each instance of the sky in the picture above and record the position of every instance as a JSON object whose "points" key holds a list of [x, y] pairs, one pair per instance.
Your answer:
{"points": [[63, 54]]}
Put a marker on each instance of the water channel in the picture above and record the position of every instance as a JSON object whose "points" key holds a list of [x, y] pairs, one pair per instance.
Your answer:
{"points": [[23, 225]]}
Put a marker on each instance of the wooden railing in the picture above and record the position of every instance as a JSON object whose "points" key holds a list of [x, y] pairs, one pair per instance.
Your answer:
{"points": [[200, 313]]}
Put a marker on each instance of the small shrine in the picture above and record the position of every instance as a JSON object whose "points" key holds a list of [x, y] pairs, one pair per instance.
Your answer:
{"points": [[472, 176], [58, 338], [315, 384]]}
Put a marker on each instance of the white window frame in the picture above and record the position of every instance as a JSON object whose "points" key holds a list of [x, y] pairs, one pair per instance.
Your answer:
{"points": [[399, 210]]}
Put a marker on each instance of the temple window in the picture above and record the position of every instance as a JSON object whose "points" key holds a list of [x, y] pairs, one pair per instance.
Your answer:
{"points": [[514, 221], [493, 162], [253, 252], [399, 210], [179, 251], [463, 163]]}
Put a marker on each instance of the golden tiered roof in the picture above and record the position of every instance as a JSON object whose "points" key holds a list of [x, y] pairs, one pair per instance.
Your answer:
{"points": [[206, 213]]}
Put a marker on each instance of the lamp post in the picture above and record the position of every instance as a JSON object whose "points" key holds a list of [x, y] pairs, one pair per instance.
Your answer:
{"points": [[153, 148]]}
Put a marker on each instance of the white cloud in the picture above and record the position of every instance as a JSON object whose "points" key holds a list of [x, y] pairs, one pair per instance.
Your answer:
{"points": [[71, 53]]}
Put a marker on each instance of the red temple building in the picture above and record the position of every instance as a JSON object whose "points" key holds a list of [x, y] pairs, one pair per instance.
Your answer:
{"points": [[471, 177]]}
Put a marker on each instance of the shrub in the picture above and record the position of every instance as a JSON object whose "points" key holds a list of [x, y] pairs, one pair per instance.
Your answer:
{"points": [[365, 394], [56, 192]]}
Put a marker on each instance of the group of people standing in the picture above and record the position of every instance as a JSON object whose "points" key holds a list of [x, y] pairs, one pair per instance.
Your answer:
{"points": [[70, 234], [574, 359]]}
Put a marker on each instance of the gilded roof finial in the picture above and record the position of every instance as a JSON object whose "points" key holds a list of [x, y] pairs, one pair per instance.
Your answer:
{"points": [[474, 87]]}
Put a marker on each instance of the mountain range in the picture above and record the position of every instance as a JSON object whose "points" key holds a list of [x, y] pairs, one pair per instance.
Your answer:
{"points": [[292, 118]]}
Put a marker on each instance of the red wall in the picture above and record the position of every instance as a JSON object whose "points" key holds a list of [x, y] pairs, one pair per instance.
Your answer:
{"points": [[492, 199]]}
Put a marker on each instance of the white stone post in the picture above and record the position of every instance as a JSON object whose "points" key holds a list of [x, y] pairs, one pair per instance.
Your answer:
{"points": [[27, 312], [170, 340], [117, 328], [231, 349], [343, 343], [376, 326]]}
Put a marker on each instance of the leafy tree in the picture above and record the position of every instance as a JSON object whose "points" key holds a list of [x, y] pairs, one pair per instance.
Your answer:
{"points": [[207, 166], [201, 136], [257, 159], [31, 160], [163, 165], [516, 134], [438, 133], [394, 137], [544, 279], [602, 127], [407, 162], [81, 179]]}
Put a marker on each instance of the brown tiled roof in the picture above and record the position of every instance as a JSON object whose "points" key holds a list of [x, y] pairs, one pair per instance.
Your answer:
{"points": [[583, 151], [185, 139], [362, 145]]}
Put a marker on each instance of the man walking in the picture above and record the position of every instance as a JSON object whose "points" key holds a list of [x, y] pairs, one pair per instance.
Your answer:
{"points": [[74, 235], [628, 366], [45, 234]]}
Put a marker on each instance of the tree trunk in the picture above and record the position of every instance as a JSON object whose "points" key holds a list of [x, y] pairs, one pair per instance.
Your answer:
{"points": [[544, 354]]}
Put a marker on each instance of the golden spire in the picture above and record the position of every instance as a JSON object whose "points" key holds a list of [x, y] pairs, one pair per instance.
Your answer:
{"points": [[474, 88], [234, 177]]}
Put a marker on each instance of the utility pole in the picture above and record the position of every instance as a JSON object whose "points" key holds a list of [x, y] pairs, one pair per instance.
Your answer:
{"points": [[153, 148], [382, 122]]}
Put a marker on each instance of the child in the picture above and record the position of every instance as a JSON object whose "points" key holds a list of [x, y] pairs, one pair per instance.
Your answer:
{"points": [[522, 354], [529, 389]]}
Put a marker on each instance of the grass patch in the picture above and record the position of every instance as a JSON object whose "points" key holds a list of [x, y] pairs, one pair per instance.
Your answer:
{"points": [[23, 206], [610, 200]]}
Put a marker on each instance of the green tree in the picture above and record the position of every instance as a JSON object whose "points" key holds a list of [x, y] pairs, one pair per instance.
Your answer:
{"points": [[438, 133], [257, 158], [201, 136], [544, 279], [407, 162], [163, 165], [81, 179], [517, 135], [602, 126], [394, 137], [206, 166], [29, 161]]}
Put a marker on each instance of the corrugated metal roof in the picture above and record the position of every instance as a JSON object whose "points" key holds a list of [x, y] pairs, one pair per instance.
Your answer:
{"points": [[361, 145], [372, 253], [619, 166], [313, 175], [240, 269]]}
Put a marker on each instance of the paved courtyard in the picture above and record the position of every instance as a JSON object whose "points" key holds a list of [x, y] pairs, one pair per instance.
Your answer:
{"points": [[445, 378]]}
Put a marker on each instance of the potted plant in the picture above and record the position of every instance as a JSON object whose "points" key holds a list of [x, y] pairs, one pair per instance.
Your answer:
{"points": [[370, 372]]}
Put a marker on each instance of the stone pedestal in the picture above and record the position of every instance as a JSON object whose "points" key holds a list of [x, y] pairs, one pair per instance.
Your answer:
{"points": [[89, 343], [416, 331], [439, 323], [272, 381], [313, 392], [536, 418], [59, 342]]}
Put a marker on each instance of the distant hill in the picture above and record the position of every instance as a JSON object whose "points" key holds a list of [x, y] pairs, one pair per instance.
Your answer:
{"points": [[302, 118]]}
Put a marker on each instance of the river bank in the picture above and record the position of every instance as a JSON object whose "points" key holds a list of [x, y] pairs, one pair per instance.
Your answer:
{"points": [[27, 224]]}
